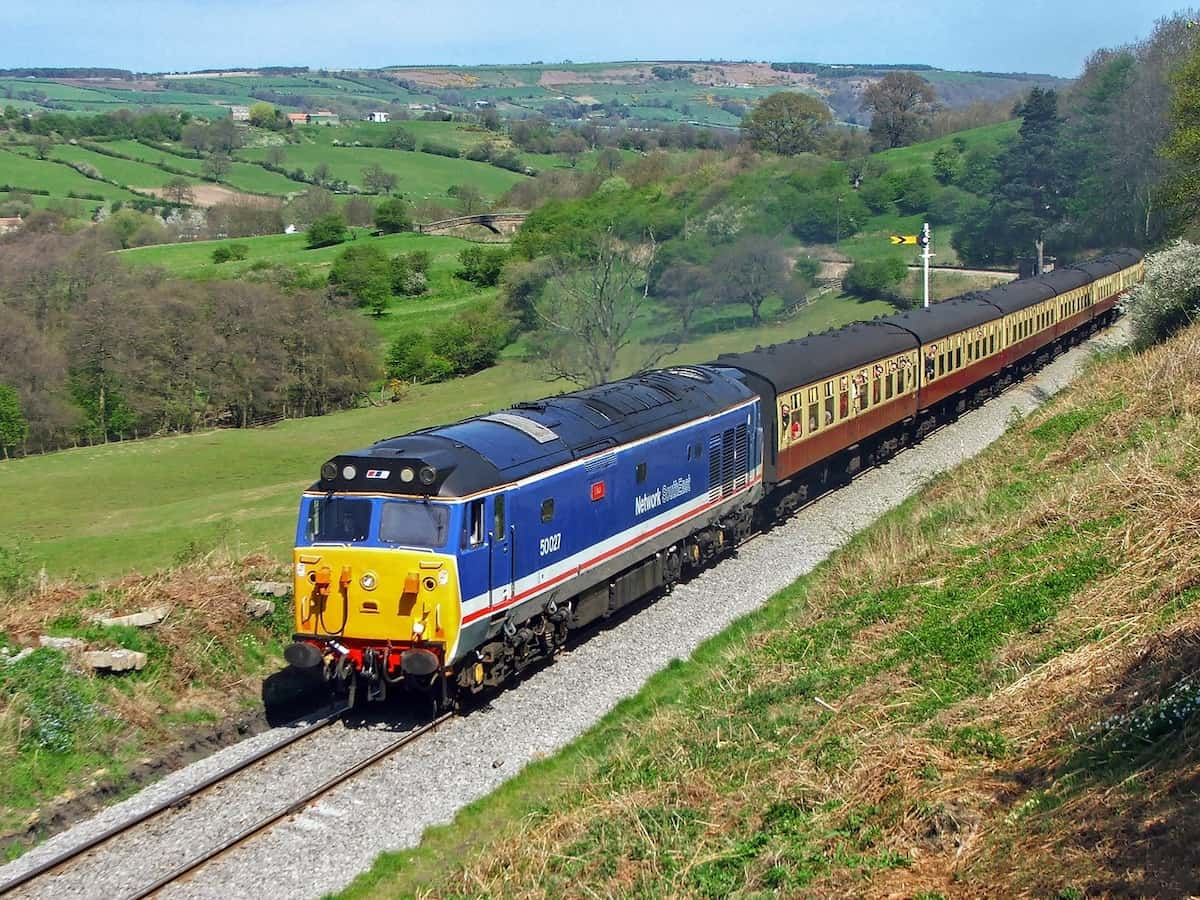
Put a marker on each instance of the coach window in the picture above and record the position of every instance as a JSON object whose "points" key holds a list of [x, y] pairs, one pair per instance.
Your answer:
{"points": [[958, 358], [829, 403], [814, 410], [843, 398], [641, 479], [889, 386], [877, 390], [547, 510], [475, 523]]}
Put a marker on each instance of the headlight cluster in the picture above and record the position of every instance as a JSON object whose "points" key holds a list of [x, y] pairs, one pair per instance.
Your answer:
{"points": [[426, 474]]}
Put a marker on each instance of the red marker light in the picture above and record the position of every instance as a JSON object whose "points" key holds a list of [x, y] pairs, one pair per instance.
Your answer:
{"points": [[598, 490]]}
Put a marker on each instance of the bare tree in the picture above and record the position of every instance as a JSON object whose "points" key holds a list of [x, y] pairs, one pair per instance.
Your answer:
{"points": [[276, 155], [589, 309], [179, 190], [470, 199], [42, 146], [216, 166], [686, 289], [749, 272], [378, 180]]}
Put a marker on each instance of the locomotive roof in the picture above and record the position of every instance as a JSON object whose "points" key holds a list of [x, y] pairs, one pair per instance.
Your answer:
{"points": [[817, 356], [485, 451]]}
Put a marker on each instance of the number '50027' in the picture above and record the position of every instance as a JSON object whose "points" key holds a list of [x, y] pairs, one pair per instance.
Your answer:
{"points": [[550, 544]]}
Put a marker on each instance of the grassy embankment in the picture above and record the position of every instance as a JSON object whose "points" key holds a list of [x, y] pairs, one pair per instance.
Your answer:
{"points": [[63, 731], [990, 692]]}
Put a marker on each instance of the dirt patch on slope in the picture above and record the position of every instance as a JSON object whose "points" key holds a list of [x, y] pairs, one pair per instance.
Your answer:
{"points": [[212, 194]]}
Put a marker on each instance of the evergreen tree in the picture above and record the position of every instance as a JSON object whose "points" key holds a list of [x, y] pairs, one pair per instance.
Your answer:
{"points": [[1033, 187], [13, 427], [1031, 194]]}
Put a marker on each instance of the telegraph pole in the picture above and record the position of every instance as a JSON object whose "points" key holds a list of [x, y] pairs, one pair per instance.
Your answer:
{"points": [[925, 257]]}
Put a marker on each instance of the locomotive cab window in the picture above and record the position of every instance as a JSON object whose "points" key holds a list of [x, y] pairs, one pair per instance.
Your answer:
{"points": [[641, 479], [475, 523], [338, 520], [548, 510]]}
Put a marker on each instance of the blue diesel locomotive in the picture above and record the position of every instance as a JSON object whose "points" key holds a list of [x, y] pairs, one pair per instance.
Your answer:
{"points": [[453, 557]]}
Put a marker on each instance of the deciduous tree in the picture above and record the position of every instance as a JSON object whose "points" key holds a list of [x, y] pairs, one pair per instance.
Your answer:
{"points": [[901, 104], [13, 426], [787, 123], [589, 309], [326, 231], [392, 216], [749, 272], [216, 166], [378, 180]]}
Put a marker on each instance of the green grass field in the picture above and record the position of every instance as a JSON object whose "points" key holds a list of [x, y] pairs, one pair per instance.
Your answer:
{"points": [[127, 172], [446, 296], [102, 511], [23, 172], [419, 175], [194, 259]]}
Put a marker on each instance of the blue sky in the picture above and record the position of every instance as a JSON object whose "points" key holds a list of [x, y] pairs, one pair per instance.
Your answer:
{"points": [[178, 35]]}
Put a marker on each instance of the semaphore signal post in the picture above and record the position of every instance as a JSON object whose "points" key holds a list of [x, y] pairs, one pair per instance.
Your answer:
{"points": [[925, 257], [923, 239]]}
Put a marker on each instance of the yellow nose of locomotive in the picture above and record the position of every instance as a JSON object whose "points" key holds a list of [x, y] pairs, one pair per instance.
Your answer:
{"points": [[378, 595]]}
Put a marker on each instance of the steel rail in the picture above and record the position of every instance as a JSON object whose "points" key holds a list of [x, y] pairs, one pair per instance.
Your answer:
{"points": [[295, 806], [183, 797]]}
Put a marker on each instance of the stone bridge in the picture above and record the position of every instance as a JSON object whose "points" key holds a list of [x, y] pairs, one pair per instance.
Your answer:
{"points": [[499, 223]]}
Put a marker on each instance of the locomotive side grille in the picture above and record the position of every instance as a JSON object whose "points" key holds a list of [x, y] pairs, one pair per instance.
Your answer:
{"points": [[741, 457], [728, 454], [714, 467]]}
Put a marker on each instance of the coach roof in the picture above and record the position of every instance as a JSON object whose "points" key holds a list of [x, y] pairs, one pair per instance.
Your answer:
{"points": [[805, 360]]}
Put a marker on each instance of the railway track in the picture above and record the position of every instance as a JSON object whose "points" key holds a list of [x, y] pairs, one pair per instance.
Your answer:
{"points": [[62, 862]]}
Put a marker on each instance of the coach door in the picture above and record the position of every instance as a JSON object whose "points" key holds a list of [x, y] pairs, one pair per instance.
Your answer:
{"points": [[501, 552]]}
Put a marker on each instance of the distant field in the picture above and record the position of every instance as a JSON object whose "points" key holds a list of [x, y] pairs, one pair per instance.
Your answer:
{"points": [[155, 157], [194, 259], [24, 172], [419, 175], [128, 172], [922, 154], [447, 295], [102, 511]]}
